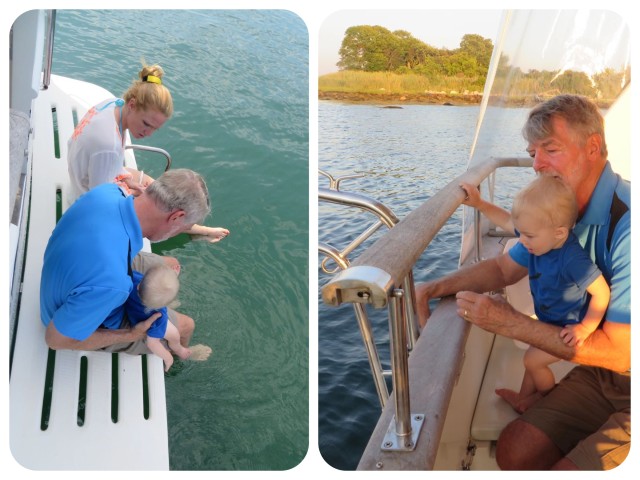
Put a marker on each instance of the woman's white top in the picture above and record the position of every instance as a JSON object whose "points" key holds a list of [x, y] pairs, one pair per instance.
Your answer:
{"points": [[96, 149]]}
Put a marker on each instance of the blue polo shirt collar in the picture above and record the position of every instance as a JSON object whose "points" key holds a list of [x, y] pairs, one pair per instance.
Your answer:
{"points": [[600, 202], [131, 224]]}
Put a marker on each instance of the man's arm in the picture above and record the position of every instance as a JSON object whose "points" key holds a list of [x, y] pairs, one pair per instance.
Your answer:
{"points": [[486, 276], [100, 338], [608, 347]]}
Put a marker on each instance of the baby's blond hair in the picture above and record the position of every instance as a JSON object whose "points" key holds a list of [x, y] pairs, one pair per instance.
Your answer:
{"points": [[159, 287], [552, 200]]}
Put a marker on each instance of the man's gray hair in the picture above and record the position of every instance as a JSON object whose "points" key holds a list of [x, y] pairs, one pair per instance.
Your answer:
{"points": [[581, 114], [181, 189]]}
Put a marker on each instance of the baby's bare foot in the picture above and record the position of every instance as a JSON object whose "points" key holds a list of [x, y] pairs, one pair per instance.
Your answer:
{"points": [[183, 352], [167, 364], [510, 396], [518, 403]]}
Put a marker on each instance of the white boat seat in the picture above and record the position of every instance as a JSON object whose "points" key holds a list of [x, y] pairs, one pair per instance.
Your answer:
{"points": [[505, 370], [89, 423]]}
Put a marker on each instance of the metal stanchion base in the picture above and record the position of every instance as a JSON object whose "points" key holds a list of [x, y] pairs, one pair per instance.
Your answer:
{"points": [[406, 443]]}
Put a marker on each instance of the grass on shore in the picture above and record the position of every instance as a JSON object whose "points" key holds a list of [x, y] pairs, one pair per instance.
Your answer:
{"points": [[392, 83]]}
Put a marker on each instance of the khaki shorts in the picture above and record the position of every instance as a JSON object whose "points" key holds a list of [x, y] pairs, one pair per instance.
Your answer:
{"points": [[145, 260], [141, 263], [588, 417]]}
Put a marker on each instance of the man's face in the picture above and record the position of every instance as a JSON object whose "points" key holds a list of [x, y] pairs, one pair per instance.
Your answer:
{"points": [[560, 155], [170, 227]]}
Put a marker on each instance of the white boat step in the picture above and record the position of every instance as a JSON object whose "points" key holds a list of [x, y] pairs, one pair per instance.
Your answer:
{"points": [[92, 410]]}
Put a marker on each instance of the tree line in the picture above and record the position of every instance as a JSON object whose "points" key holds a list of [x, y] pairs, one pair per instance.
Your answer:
{"points": [[369, 48], [375, 49]]}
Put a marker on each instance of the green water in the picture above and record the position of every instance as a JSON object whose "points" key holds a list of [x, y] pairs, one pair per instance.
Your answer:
{"points": [[239, 80]]}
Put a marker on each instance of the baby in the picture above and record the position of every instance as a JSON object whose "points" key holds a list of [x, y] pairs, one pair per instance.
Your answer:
{"points": [[568, 289], [151, 293]]}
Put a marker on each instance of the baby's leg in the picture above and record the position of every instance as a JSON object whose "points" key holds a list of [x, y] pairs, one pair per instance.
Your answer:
{"points": [[172, 336], [537, 364], [157, 347], [538, 380]]}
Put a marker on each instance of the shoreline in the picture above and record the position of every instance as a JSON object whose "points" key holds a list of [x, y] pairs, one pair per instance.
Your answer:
{"points": [[428, 98], [396, 100]]}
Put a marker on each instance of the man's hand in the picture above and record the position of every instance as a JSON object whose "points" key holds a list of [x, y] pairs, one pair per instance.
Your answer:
{"points": [[140, 330], [489, 312]]}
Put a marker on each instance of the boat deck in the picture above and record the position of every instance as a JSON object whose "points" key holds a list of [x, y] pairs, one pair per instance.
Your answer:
{"points": [[72, 410]]}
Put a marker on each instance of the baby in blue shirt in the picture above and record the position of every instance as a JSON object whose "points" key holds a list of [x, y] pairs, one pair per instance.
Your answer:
{"points": [[568, 289], [151, 293]]}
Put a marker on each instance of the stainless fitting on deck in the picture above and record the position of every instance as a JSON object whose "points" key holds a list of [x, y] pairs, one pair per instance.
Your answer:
{"points": [[362, 284]]}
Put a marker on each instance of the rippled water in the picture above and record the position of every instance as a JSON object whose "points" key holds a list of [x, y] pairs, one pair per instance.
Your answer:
{"points": [[239, 80], [406, 155]]}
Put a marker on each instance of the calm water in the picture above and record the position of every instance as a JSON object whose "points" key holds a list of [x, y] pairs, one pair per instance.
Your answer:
{"points": [[406, 155], [239, 80]]}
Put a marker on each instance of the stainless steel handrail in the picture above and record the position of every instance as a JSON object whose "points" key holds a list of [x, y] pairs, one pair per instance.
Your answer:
{"points": [[152, 149], [375, 275], [48, 58], [387, 218], [415, 232], [334, 183]]}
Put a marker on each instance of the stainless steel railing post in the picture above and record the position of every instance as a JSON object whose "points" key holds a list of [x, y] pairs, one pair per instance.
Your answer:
{"points": [[48, 59], [404, 430], [400, 363]]}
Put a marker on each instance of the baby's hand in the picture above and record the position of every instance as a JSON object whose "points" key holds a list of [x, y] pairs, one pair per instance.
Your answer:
{"points": [[574, 335], [472, 198]]}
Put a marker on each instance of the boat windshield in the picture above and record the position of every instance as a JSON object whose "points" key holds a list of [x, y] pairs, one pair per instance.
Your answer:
{"points": [[542, 53], [539, 54]]}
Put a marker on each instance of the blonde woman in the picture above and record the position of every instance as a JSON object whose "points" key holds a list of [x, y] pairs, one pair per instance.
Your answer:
{"points": [[97, 145]]}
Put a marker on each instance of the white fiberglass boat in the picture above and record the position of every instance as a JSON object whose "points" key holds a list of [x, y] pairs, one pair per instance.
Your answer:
{"points": [[443, 413]]}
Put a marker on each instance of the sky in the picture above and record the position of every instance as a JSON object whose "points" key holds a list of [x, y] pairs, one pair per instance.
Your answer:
{"points": [[584, 40], [438, 28]]}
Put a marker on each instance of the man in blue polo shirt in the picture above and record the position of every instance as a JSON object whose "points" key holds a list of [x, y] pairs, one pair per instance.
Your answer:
{"points": [[584, 422], [86, 273]]}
